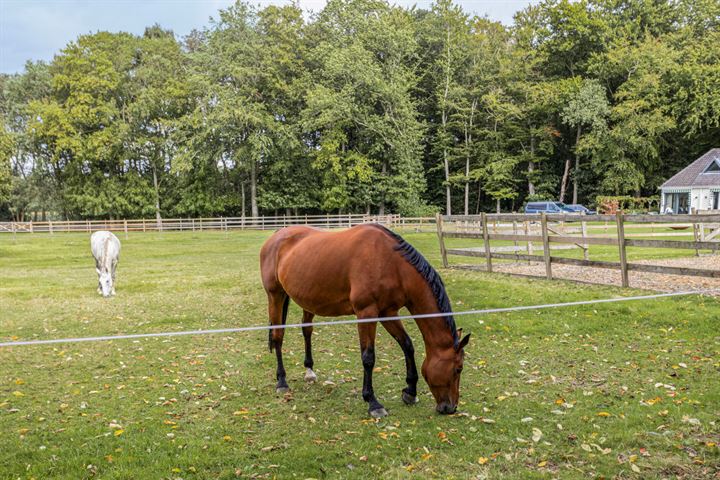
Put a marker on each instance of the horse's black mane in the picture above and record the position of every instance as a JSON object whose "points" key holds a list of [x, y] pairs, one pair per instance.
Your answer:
{"points": [[431, 276]]}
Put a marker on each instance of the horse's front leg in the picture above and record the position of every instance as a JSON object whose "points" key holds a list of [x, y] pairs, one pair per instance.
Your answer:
{"points": [[114, 267], [398, 332], [367, 351]]}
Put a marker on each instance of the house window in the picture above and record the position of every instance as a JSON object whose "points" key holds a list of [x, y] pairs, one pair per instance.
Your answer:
{"points": [[714, 167], [716, 201], [677, 202]]}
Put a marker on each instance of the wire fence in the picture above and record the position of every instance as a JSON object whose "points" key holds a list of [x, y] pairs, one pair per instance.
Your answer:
{"points": [[352, 321]]}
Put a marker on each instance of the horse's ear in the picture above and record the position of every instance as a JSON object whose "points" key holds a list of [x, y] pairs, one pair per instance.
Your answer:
{"points": [[463, 343]]}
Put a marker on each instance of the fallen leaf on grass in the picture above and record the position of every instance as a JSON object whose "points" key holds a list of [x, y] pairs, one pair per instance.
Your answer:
{"points": [[483, 460], [537, 435], [119, 432]]}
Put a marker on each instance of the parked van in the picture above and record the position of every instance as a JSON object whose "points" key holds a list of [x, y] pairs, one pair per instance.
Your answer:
{"points": [[547, 207]]}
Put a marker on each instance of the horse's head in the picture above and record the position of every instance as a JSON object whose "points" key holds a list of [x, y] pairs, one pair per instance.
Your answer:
{"points": [[442, 370], [106, 283]]}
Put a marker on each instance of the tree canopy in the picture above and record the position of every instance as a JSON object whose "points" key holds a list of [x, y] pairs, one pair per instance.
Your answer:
{"points": [[364, 107]]}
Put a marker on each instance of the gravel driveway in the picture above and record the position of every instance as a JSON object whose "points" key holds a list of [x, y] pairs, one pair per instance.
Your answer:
{"points": [[641, 280]]}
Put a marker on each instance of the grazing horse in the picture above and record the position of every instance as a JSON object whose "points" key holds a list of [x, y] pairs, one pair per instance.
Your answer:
{"points": [[105, 248], [367, 271]]}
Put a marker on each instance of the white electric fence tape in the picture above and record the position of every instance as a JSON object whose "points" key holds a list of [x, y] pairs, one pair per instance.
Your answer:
{"points": [[353, 321]]}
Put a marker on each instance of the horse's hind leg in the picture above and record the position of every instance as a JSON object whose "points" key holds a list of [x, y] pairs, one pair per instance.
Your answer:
{"points": [[397, 330], [310, 376], [277, 311], [367, 350]]}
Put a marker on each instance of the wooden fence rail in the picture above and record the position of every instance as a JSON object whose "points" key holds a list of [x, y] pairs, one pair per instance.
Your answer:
{"points": [[537, 230], [220, 223]]}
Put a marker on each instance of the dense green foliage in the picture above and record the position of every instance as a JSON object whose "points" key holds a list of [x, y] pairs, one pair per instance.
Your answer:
{"points": [[364, 107]]}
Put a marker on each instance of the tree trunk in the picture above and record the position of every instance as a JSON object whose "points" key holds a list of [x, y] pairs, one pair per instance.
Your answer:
{"points": [[448, 199], [477, 205], [382, 195], [448, 202], [158, 217], [253, 189], [242, 198], [563, 183], [467, 184], [468, 142], [531, 163], [497, 205], [576, 172]]}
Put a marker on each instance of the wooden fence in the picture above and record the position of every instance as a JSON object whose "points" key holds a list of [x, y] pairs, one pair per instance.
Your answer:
{"points": [[220, 223], [547, 230]]}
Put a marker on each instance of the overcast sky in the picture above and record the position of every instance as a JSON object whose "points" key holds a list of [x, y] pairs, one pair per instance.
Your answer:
{"points": [[38, 29]]}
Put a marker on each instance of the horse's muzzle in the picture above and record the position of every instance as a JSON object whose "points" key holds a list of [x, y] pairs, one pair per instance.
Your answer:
{"points": [[446, 408]]}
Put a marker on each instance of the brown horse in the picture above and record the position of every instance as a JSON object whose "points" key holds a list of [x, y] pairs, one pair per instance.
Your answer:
{"points": [[370, 272]]}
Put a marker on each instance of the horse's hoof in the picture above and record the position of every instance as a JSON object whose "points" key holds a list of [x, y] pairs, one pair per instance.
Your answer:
{"points": [[409, 399], [378, 413], [310, 376], [282, 390]]}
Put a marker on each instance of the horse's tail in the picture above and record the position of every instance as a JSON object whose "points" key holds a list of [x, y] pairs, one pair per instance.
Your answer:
{"points": [[286, 304]]}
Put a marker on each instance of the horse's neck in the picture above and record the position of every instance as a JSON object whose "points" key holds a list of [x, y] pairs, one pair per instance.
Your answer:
{"points": [[435, 330]]}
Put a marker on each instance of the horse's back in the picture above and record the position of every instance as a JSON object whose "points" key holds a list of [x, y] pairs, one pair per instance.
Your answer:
{"points": [[103, 239], [326, 272]]}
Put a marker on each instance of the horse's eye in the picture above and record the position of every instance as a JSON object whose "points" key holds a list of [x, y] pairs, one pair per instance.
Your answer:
{"points": [[458, 370]]}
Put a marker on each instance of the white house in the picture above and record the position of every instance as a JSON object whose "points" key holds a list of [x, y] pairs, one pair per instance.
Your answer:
{"points": [[697, 186]]}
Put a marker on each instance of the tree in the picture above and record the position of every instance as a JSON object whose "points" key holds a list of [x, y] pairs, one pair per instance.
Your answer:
{"points": [[588, 107], [6, 151], [160, 96], [361, 117]]}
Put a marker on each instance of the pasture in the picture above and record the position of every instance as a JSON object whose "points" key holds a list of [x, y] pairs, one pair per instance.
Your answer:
{"points": [[628, 390]]}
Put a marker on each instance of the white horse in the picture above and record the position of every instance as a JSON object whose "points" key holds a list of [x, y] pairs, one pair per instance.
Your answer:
{"points": [[106, 249]]}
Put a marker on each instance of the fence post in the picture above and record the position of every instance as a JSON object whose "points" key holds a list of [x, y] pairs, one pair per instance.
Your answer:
{"points": [[125, 228], [515, 243], [529, 243], [441, 239], [546, 246], [586, 247], [621, 245], [31, 227], [50, 227], [486, 241], [696, 232]]}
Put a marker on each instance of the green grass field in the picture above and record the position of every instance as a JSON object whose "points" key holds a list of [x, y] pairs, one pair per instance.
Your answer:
{"points": [[627, 390]]}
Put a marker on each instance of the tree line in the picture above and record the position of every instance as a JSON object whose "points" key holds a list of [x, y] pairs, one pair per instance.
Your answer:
{"points": [[364, 107]]}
